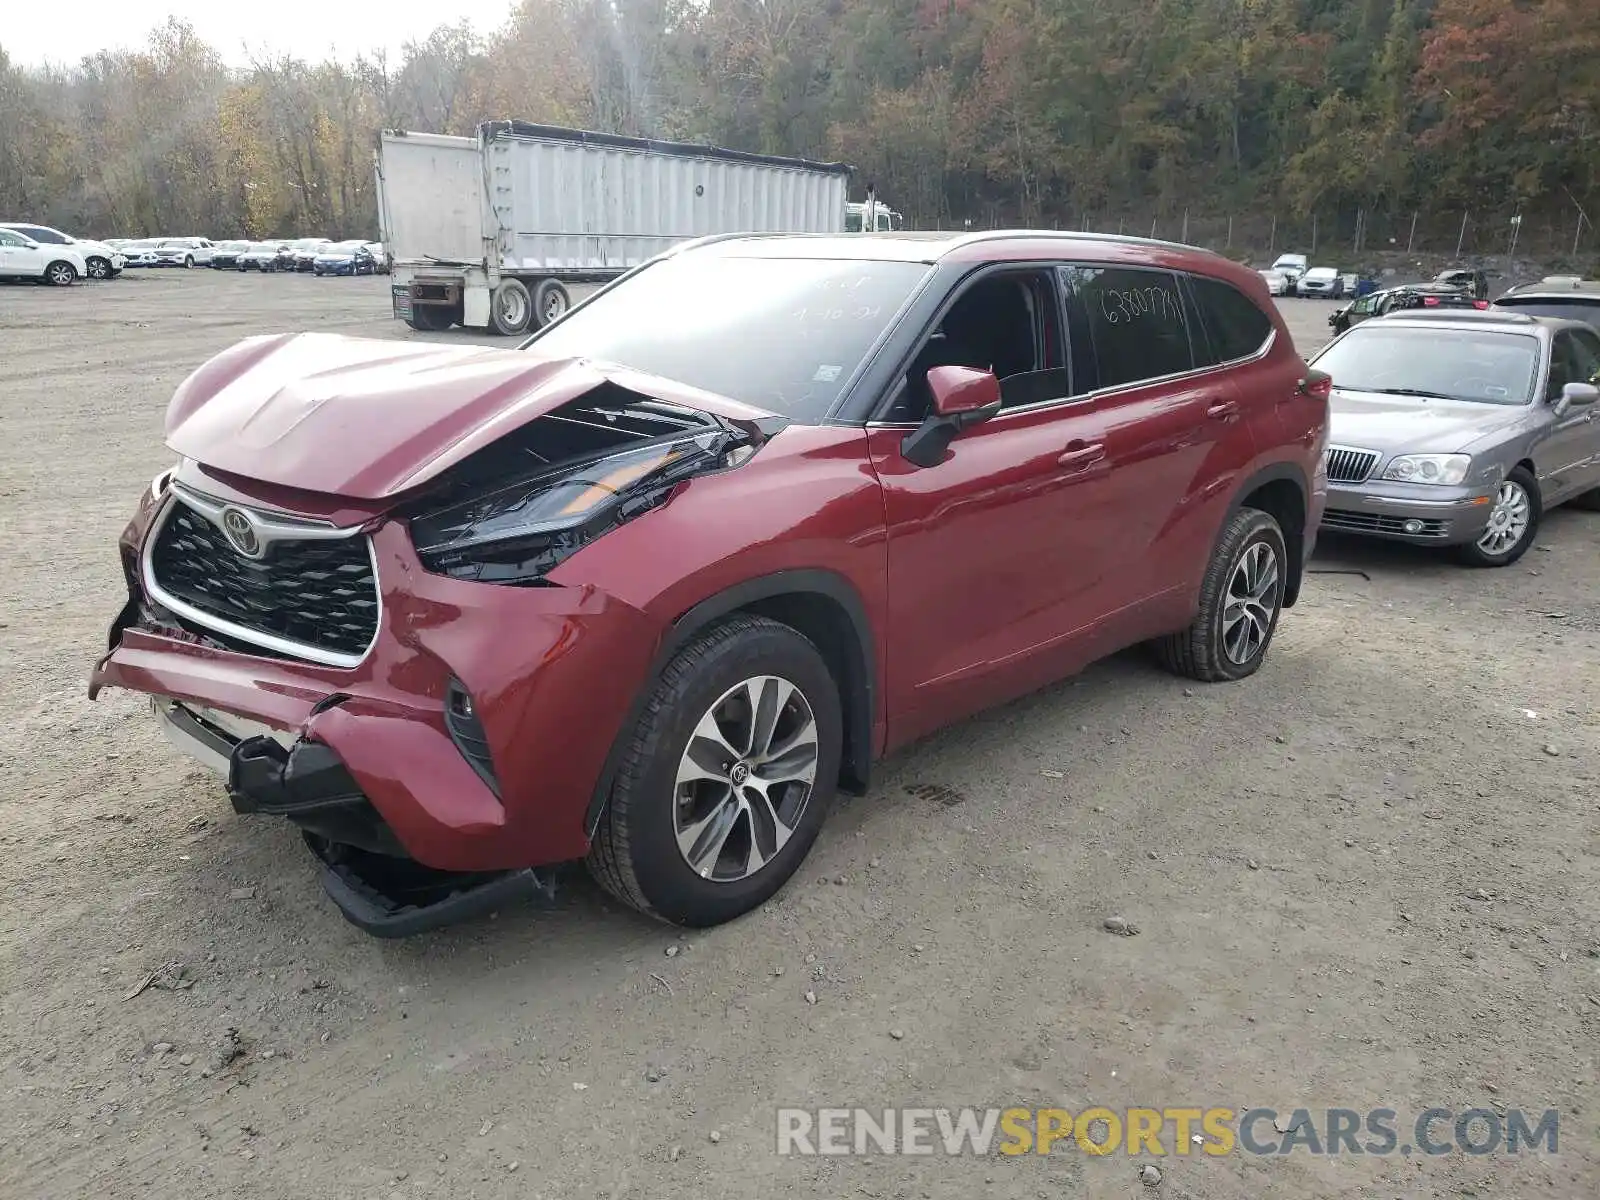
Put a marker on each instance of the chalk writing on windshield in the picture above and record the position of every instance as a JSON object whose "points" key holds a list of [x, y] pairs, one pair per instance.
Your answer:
{"points": [[1133, 304]]}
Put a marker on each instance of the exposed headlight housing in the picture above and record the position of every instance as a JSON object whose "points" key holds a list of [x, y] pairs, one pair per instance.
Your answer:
{"points": [[516, 532], [1443, 469]]}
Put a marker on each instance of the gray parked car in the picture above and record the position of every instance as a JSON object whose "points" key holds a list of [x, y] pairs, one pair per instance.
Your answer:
{"points": [[1460, 427]]}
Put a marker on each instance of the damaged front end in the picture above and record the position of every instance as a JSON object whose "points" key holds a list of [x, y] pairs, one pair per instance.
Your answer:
{"points": [[421, 769]]}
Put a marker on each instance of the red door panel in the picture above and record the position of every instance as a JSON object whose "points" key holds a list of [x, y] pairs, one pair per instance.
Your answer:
{"points": [[998, 558]]}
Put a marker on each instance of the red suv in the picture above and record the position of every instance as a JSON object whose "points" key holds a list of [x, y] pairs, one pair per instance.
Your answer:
{"points": [[650, 589]]}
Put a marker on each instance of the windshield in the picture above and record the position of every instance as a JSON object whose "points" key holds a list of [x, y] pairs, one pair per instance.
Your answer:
{"points": [[783, 334], [1482, 366]]}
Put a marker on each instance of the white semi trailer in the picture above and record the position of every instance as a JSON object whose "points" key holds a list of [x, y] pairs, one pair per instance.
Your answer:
{"points": [[487, 231]]}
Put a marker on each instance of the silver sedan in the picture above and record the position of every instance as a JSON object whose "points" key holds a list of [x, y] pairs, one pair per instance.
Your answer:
{"points": [[1461, 428]]}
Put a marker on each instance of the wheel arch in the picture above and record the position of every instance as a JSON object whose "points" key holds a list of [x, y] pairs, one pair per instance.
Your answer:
{"points": [[825, 607], [1280, 490]]}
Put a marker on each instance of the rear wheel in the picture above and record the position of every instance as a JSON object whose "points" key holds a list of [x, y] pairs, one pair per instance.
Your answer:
{"points": [[1241, 597], [727, 778], [550, 302], [511, 309], [60, 274], [1513, 523]]}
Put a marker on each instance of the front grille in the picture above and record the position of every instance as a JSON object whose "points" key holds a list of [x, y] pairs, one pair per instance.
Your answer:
{"points": [[1349, 466], [1346, 520], [317, 593]]}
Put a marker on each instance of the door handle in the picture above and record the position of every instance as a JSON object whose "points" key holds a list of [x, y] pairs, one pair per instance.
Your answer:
{"points": [[1223, 410], [1082, 454]]}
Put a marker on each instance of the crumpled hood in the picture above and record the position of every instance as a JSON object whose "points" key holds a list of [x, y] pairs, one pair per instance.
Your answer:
{"points": [[1400, 424], [368, 419]]}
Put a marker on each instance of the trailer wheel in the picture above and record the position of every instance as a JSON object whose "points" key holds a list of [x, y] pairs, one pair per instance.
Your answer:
{"points": [[511, 309], [550, 302]]}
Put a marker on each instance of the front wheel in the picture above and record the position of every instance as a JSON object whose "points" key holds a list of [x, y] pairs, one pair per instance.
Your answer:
{"points": [[188, 262], [727, 778], [98, 268], [1241, 597], [1513, 523], [60, 274]]}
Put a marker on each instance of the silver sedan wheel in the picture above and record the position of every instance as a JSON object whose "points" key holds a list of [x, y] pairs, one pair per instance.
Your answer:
{"points": [[1253, 595], [1508, 520], [745, 779]]}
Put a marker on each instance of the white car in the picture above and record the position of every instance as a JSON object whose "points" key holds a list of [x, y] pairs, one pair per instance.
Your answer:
{"points": [[184, 252], [1321, 281], [379, 255], [1277, 282], [23, 258], [1291, 266], [101, 260], [141, 253]]}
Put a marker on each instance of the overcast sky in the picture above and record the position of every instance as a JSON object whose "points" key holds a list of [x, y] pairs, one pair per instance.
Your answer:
{"points": [[312, 29]]}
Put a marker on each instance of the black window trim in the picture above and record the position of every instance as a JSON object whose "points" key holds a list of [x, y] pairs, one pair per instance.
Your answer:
{"points": [[1194, 301], [1055, 265], [957, 289]]}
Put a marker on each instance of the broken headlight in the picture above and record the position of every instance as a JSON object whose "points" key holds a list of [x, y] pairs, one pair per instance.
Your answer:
{"points": [[517, 532]]}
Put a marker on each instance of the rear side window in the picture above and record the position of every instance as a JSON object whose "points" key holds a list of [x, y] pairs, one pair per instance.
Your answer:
{"points": [[1135, 321], [1234, 327]]}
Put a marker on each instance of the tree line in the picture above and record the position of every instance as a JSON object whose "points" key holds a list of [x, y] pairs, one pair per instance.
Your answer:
{"points": [[1024, 111]]}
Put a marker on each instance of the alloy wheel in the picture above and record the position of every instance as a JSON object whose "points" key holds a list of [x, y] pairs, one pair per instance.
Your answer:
{"points": [[745, 779], [1253, 595], [61, 274], [1508, 520], [99, 268]]}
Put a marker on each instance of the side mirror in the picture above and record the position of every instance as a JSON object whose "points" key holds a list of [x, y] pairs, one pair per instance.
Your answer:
{"points": [[962, 397], [1576, 395]]}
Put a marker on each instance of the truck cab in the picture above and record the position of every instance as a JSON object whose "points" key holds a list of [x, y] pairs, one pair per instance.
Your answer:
{"points": [[885, 219]]}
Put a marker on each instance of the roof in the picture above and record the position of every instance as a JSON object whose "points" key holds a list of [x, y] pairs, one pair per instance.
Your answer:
{"points": [[1558, 286], [1001, 245], [1473, 320]]}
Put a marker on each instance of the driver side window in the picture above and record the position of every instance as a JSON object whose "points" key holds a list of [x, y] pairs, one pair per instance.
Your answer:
{"points": [[1364, 305], [1585, 356], [1009, 323]]}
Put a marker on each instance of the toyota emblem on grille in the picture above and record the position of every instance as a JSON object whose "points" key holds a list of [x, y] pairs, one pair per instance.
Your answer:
{"points": [[240, 529]]}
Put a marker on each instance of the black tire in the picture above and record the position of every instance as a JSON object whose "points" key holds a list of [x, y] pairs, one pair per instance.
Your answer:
{"points": [[551, 300], [98, 268], [635, 854], [60, 274], [431, 318], [1475, 555], [188, 262], [510, 308], [1204, 651]]}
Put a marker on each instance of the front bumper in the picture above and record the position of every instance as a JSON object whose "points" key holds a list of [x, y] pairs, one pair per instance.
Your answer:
{"points": [[1419, 514], [551, 672]]}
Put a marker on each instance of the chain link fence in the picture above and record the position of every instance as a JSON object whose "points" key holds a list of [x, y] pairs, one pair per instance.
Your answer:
{"points": [[1521, 243]]}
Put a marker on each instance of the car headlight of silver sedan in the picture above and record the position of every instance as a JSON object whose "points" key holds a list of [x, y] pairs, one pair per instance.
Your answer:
{"points": [[1445, 469]]}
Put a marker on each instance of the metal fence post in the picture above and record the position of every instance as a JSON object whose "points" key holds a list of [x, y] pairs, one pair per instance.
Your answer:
{"points": [[1313, 233], [1462, 240], [1412, 240], [1229, 244], [1272, 238], [1185, 238]]}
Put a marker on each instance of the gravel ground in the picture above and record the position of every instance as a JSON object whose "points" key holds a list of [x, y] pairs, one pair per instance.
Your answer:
{"points": [[1365, 878]]}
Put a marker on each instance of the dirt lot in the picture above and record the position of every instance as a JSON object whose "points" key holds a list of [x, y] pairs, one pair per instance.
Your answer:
{"points": [[1300, 854]]}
